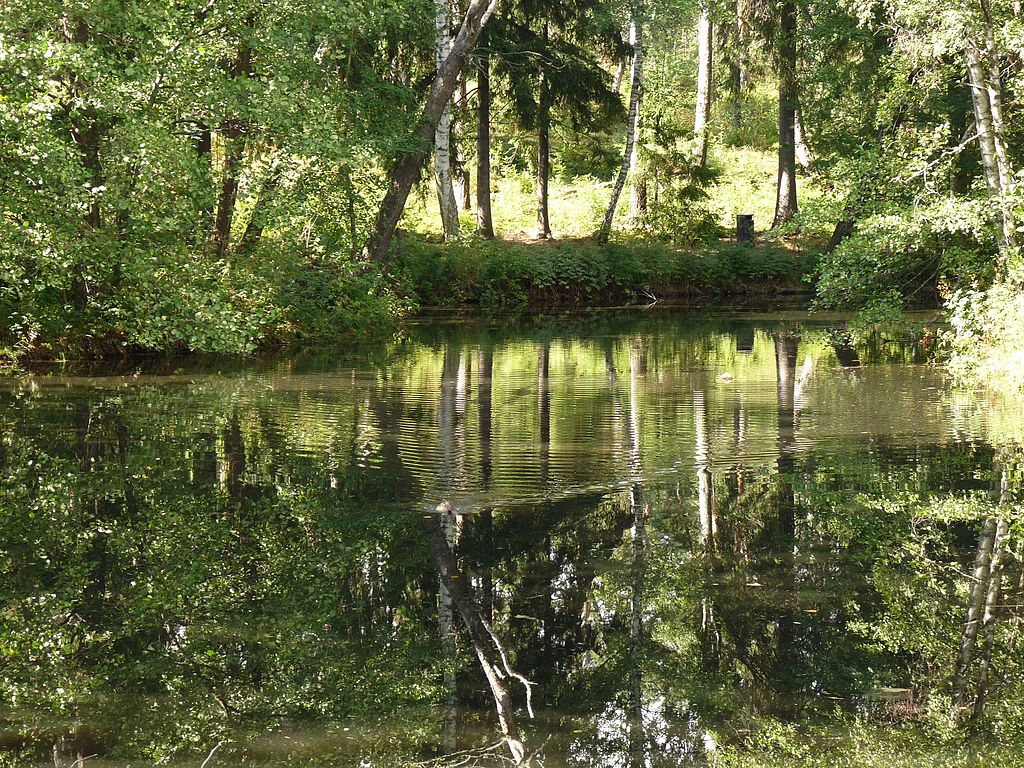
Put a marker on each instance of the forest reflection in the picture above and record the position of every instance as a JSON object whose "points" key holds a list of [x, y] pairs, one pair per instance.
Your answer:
{"points": [[642, 540]]}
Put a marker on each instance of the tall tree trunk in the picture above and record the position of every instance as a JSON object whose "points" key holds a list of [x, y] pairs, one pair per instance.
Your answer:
{"points": [[638, 535], [635, 100], [787, 347], [843, 229], [744, 13], [975, 608], [544, 408], [449, 526], [988, 620], [443, 134], [785, 200], [985, 80], [638, 199], [983, 120], [231, 171], [404, 174], [85, 133], [638, 189], [636, 630], [994, 88], [620, 70], [204, 149], [741, 424], [484, 221], [985, 595], [708, 633], [739, 65], [233, 135], [543, 151], [702, 457], [258, 220], [705, 74], [446, 628], [485, 368]]}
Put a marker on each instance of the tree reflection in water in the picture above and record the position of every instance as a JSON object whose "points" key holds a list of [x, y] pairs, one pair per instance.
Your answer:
{"points": [[678, 561]]}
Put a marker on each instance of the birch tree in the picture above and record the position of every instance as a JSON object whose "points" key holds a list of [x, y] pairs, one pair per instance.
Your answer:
{"points": [[636, 41], [484, 220], [404, 174], [705, 82], [443, 133], [985, 79], [543, 148]]}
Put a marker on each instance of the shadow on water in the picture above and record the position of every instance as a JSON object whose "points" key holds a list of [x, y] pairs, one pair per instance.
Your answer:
{"points": [[643, 540]]}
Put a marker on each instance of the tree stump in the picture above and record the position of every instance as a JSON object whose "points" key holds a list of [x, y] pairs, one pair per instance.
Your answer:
{"points": [[745, 229]]}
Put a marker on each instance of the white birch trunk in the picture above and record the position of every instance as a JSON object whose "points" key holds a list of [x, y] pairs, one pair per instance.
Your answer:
{"points": [[619, 72], [983, 119], [988, 621], [442, 136], [702, 116], [635, 100], [975, 606], [986, 94], [639, 570]]}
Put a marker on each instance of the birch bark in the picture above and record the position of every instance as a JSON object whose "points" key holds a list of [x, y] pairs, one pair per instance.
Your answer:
{"points": [[635, 101], [443, 133], [705, 74]]}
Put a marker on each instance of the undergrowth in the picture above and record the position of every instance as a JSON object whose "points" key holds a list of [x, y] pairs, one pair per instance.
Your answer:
{"points": [[498, 276]]}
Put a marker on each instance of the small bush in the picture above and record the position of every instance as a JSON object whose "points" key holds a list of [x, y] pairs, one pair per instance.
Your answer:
{"points": [[986, 338], [915, 254]]}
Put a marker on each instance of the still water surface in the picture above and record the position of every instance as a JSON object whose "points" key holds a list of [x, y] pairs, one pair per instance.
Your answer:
{"points": [[689, 534]]}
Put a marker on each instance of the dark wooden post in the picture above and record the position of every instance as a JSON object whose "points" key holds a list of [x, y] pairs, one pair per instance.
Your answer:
{"points": [[745, 229]]}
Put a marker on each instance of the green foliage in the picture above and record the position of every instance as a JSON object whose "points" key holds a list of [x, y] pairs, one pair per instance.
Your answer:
{"points": [[682, 219], [850, 742], [504, 277], [559, 43], [128, 131], [909, 254], [586, 155], [677, 196], [237, 554], [758, 125], [986, 337]]}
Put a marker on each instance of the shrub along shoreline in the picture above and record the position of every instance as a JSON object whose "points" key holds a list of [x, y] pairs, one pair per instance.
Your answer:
{"points": [[495, 276], [335, 300]]}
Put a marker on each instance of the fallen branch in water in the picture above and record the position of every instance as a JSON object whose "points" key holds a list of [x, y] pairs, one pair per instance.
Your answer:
{"points": [[490, 652], [213, 751]]}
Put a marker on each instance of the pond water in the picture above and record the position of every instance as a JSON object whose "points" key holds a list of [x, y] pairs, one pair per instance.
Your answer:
{"points": [[700, 539]]}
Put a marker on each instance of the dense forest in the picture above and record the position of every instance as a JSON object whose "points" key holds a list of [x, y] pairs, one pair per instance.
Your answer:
{"points": [[226, 175]]}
